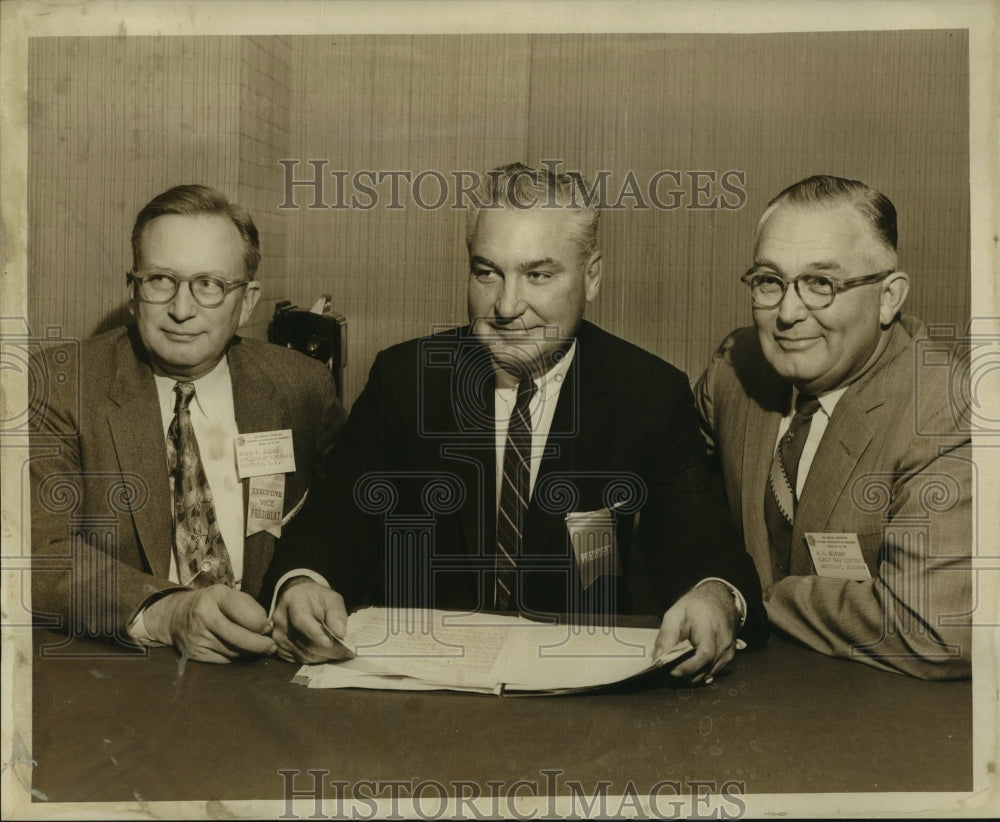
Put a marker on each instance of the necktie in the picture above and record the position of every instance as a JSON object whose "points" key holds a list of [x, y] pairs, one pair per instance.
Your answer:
{"points": [[202, 558], [514, 495], [780, 499]]}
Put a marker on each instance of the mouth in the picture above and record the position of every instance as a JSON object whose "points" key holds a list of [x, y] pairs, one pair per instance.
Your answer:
{"points": [[180, 336], [795, 343]]}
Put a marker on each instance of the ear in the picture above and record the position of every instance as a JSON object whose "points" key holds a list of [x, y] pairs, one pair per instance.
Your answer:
{"points": [[894, 292], [250, 296], [592, 276], [130, 285]]}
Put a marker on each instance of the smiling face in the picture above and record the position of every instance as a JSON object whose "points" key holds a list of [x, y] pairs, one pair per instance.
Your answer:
{"points": [[185, 341], [822, 349], [528, 286]]}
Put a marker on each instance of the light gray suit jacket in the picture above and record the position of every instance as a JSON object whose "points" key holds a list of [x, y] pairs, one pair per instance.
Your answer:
{"points": [[101, 517], [894, 467]]}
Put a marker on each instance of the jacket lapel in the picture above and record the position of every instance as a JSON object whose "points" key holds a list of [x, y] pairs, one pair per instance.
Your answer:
{"points": [[468, 448], [137, 431], [844, 443], [759, 438], [258, 408], [569, 446]]}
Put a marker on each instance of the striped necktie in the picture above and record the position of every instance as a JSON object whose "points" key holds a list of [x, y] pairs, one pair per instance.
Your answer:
{"points": [[780, 497], [202, 558], [514, 496]]}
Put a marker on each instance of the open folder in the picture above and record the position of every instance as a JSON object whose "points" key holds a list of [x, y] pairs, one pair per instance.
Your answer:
{"points": [[412, 649]]}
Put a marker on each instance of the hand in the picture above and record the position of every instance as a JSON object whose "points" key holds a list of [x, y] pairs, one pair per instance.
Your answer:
{"points": [[706, 616], [307, 617], [215, 624]]}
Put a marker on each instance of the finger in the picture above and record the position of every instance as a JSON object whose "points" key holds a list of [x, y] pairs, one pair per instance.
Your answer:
{"points": [[335, 615], [723, 660], [207, 651], [244, 610], [239, 639], [299, 651], [669, 635], [696, 663]]}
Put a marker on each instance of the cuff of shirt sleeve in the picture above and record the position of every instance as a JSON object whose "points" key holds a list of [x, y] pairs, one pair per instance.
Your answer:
{"points": [[741, 603], [319, 579], [136, 629]]}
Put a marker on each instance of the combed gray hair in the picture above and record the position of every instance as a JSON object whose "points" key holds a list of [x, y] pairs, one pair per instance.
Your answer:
{"points": [[877, 210], [519, 186]]}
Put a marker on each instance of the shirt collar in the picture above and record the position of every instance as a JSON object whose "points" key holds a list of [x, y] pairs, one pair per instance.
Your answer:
{"points": [[210, 391], [827, 401], [551, 381]]}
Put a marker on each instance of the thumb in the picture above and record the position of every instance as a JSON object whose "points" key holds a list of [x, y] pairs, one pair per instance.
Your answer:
{"points": [[244, 610], [670, 633]]}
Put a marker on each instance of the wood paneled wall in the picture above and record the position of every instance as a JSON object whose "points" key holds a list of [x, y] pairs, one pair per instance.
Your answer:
{"points": [[116, 120]]}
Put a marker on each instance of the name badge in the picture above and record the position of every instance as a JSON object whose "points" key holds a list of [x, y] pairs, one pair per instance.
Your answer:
{"points": [[265, 503], [265, 452], [592, 534], [837, 555]]}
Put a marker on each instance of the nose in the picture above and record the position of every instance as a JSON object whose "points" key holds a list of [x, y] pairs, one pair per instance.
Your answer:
{"points": [[791, 309], [509, 305], [183, 306]]}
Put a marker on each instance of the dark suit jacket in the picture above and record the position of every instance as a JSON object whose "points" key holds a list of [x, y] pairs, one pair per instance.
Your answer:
{"points": [[894, 467], [100, 509], [413, 485]]}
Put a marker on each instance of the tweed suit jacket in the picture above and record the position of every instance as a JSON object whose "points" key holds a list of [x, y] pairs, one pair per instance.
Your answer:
{"points": [[102, 528], [410, 517], [894, 467]]}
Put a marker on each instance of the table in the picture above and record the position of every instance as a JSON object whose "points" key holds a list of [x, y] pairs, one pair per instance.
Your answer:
{"points": [[117, 726]]}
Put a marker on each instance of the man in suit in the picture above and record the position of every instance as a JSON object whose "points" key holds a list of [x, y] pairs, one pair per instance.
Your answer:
{"points": [[144, 529], [502, 465], [846, 450]]}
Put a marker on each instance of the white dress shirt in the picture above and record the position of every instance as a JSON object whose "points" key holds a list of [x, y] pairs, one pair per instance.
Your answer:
{"points": [[817, 428], [213, 417], [542, 410]]}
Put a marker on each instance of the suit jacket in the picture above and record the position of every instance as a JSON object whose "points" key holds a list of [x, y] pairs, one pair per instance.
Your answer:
{"points": [[894, 467], [410, 514], [102, 528]]}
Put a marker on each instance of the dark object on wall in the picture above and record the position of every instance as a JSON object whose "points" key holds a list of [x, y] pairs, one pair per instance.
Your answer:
{"points": [[320, 335]]}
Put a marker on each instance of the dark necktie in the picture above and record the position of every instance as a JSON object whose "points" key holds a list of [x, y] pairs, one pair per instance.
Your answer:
{"points": [[780, 498], [514, 496], [202, 558]]}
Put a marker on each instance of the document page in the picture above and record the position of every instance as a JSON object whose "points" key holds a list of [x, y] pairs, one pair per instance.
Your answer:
{"points": [[569, 657], [408, 649], [436, 647]]}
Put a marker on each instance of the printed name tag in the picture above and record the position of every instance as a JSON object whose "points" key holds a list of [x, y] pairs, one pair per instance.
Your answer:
{"points": [[265, 504], [837, 555], [592, 534], [265, 452]]}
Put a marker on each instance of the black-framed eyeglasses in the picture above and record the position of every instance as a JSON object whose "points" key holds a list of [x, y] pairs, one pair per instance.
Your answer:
{"points": [[767, 290], [161, 287]]}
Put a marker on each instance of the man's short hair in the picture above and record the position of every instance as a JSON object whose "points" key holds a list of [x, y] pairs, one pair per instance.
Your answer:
{"points": [[191, 201], [824, 190], [519, 186]]}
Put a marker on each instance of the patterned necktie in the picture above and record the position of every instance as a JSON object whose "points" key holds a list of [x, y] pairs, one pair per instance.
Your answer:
{"points": [[202, 558], [513, 496], [780, 498]]}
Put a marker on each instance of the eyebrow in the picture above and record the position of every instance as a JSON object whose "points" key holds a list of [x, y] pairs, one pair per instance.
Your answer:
{"points": [[544, 262], [819, 265]]}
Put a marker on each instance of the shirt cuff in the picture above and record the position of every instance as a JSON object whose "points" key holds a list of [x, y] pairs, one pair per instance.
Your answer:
{"points": [[319, 579], [741, 603], [136, 629]]}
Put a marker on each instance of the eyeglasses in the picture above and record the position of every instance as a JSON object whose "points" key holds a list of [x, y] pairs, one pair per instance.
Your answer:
{"points": [[161, 287], [815, 290]]}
